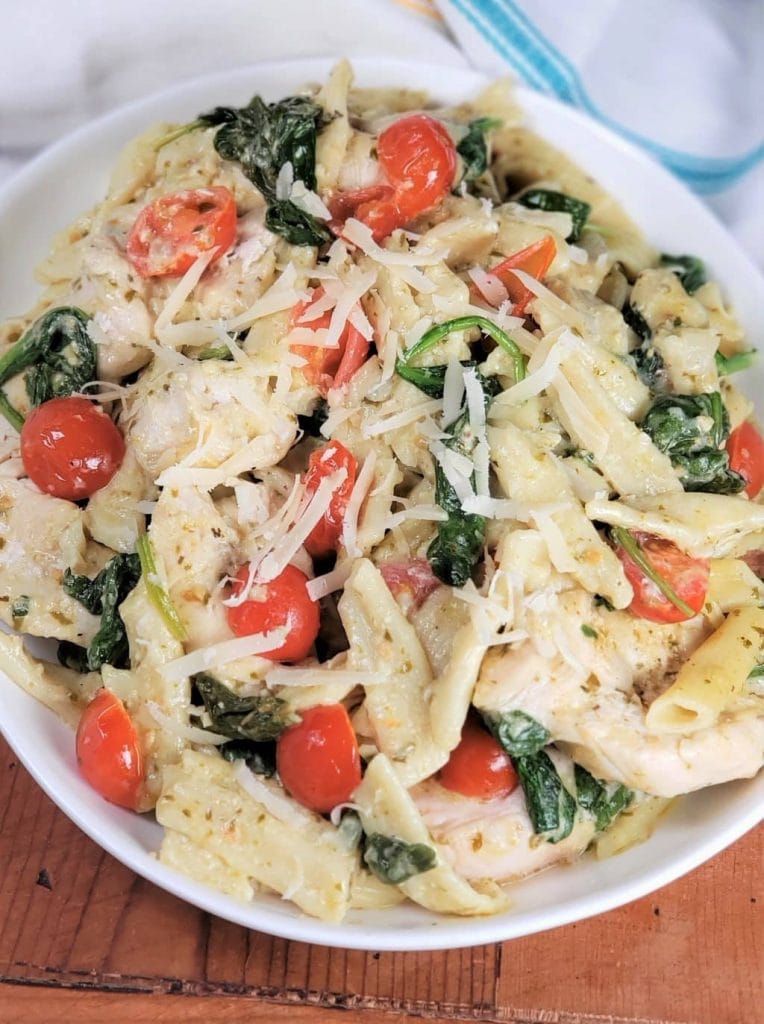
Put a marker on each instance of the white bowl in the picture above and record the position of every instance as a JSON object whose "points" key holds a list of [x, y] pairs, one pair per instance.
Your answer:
{"points": [[69, 178]]}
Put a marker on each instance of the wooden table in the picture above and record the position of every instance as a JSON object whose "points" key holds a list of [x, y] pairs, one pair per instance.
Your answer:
{"points": [[84, 939]]}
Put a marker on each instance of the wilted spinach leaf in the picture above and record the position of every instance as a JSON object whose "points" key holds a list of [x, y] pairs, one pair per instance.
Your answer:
{"points": [[393, 861], [430, 379], [59, 354], [260, 717], [689, 269], [473, 148], [636, 321], [102, 596], [691, 430], [456, 548], [518, 733], [649, 364], [558, 202], [262, 137], [260, 758], [603, 800], [551, 807]]}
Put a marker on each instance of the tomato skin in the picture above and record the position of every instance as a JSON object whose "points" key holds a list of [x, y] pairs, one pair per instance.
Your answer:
{"points": [[745, 447], [108, 751], [328, 368], [343, 205], [318, 759], [687, 576], [283, 602], [70, 447], [171, 233], [410, 582], [418, 158], [478, 766], [324, 539], [535, 260]]}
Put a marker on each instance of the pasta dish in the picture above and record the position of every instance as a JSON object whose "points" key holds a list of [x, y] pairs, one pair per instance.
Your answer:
{"points": [[388, 499]]}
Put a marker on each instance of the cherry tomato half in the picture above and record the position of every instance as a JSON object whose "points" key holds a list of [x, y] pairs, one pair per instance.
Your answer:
{"points": [[410, 582], [343, 205], [281, 602], [478, 766], [688, 577], [318, 759], [746, 451], [329, 367], [70, 448], [324, 538], [108, 750], [535, 260], [172, 232], [418, 158]]}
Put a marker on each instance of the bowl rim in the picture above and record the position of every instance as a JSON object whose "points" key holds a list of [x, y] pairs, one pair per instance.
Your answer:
{"points": [[443, 932]]}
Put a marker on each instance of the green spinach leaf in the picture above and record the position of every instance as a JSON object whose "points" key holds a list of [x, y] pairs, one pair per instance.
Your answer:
{"points": [[430, 379], [636, 321], [262, 137], [393, 861], [57, 352], [456, 548], [558, 202], [102, 596], [603, 800], [260, 758], [459, 541], [473, 148], [298, 227], [691, 430], [518, 733], [260, 717], [689, 269], [649, 364], [551, 807]]}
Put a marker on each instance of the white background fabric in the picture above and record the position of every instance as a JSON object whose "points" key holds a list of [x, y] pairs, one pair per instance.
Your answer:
{"points": [[688, 74]]}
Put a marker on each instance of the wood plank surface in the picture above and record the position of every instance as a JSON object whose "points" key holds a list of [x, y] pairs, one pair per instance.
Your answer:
{"points": [[83, 938]]}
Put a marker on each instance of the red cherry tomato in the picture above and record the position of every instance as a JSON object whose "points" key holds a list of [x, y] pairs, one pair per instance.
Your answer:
{"points": [[329, 367], [746, 451], [324, 539], [412, 582], [318, 758], [343, 205], [418, 158], [688, 577], [479, 766], [70, 448], [172, 232], [281, 602], [535, 260], [108, 750]]}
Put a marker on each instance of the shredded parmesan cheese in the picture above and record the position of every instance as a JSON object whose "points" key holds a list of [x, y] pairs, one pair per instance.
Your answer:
{"points": [[217, 655]]}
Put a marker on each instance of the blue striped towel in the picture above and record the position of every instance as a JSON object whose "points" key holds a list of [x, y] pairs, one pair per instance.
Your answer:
{"points": [[683, 79]]}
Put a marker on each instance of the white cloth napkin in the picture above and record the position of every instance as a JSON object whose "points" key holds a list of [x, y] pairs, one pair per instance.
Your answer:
{"points": [[682, 78]]}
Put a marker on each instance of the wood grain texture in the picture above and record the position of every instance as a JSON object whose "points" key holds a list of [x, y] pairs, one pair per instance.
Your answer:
{"points": [[90, 941]]}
